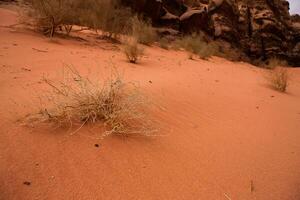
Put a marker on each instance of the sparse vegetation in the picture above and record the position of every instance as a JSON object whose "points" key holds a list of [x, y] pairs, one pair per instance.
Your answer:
{"points": [[120, 106], [51, 16], [196, 45], [279, 79], [106, 15], [133, 51], [164, 43], [275, 62], [143, 31]]}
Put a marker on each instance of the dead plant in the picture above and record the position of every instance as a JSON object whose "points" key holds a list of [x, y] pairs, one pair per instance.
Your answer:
{"points": [[133, 51], [279, 79], [195, 45], [143, 31], [275, 62], [77, 100], [51, 15]]}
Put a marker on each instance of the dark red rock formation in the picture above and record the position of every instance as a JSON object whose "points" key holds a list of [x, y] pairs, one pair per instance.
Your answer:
{"points": [[261, 28]]}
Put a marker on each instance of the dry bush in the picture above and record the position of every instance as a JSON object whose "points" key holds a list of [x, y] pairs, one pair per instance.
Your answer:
{"points": [[164, 43], [143, 31], [275, 62], [133, 51], [279, 79], [77, 100], [51, 15], [196, 45], [105, 15]]}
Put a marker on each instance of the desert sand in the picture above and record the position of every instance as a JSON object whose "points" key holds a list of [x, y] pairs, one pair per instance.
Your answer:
{"points": [[225, 134]]}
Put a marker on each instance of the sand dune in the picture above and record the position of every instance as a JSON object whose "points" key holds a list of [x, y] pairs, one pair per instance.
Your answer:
{"points": [[226, 133]]}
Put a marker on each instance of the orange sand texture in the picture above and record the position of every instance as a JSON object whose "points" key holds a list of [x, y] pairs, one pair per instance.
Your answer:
{"points": [[226, 134]]}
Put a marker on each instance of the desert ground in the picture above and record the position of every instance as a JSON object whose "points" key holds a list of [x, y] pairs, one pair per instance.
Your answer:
{"points": [[224, 133]]}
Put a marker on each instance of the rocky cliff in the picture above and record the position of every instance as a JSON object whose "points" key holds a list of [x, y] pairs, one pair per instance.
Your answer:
{"points": [[261, 28]]}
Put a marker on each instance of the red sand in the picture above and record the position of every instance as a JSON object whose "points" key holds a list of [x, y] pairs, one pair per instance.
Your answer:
{"points": [[228, 135]]}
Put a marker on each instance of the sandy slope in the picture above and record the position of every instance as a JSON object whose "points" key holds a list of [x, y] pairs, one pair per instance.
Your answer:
{"points": [[226, 132]]}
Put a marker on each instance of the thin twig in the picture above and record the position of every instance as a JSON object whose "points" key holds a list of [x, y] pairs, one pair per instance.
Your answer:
{"points": [[43, 51], [227, 196], [80, 127]]}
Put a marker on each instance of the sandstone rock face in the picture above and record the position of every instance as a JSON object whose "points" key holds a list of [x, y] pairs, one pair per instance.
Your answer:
{"points": [[261, 28]]}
